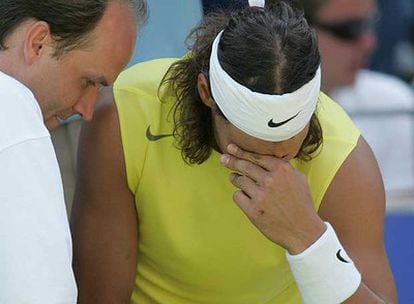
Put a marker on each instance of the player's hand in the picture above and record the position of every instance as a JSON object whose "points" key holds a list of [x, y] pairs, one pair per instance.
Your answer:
{"points": [[275, 197]]}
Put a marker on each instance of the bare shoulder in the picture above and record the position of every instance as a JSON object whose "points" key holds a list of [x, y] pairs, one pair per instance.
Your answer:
{"points": [[355, 206], [357, 189], [103, 212], [100, 154]]}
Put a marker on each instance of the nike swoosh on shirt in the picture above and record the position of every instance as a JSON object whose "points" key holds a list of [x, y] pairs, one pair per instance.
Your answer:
{"points": [[155, 137], [339, 257], [273, 124]]}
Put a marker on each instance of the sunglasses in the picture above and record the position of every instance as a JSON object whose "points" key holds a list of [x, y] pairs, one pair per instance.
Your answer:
{"points": [[349, 30]]}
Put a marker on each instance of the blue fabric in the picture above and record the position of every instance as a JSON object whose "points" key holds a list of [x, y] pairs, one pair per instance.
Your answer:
{"points": [[397, 17], [399, 242]]}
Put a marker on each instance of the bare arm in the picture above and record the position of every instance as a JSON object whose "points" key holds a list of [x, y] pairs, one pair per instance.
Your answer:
{"points": [[355, 205], [103, 219], [276, 198]]}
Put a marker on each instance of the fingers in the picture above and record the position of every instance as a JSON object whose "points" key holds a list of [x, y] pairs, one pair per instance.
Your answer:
{"points": [[244, 183], [253, 211], [264, 161], [242, 200], [244, 167]]}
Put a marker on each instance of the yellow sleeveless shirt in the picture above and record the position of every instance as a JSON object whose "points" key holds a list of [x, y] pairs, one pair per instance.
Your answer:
{"points": [[195, 244]]}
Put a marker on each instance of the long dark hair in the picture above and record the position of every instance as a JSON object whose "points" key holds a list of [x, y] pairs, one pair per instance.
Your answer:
{"points": [[270, 50]]}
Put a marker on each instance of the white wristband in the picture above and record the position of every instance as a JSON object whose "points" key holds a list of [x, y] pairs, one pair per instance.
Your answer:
{"points": [[324, 272]]}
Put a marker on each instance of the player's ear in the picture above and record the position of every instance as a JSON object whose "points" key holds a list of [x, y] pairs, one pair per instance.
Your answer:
{"points": [[204, 90]]}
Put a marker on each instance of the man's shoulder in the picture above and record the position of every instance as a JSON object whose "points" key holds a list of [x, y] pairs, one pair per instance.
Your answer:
{"points": [[375, 90], [10, 86], [20, 115], [382, 83]]}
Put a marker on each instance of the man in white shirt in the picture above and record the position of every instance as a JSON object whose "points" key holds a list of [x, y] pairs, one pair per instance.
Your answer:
{"points": [[378, 103], [54, 57]]}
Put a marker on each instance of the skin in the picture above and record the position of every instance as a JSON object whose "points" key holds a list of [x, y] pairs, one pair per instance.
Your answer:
{"points": [[69, 84], [104, 219], [341, 59], [104, 223]]}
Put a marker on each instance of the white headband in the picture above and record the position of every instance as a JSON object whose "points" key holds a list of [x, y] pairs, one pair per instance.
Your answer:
{"points": [[264, 116]]}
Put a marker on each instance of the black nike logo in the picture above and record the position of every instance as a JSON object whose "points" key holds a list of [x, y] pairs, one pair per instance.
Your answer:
{"points": [[338, 255], [273, 124], [154, 137]]}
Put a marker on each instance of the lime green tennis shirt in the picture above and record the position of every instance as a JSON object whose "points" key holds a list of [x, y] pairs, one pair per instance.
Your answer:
{"points": [[195, 244]]}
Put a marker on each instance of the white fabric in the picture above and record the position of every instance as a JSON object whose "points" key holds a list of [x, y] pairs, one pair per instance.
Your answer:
{"points": [[253, 112], [391, 137], [259, 3], [35, 242], [324, 272]]}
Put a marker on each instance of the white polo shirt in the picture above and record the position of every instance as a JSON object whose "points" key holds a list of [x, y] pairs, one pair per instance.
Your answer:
{"points": [[35, 241], [391, 137]]}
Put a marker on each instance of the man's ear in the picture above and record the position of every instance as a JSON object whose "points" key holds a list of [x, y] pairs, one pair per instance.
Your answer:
{"points": [[204, 90], [37, 37]]}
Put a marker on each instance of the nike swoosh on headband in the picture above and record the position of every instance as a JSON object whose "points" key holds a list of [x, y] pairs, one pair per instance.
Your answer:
{"points": [[155, 137], [273, 124], [338, 255]]}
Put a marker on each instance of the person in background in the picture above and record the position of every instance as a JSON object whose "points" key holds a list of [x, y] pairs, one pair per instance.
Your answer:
{"points": [[54, 57], [240, 118], [379, 103]]}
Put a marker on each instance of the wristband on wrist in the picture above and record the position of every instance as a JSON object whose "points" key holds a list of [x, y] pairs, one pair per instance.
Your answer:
{"points": [[324, 272]]}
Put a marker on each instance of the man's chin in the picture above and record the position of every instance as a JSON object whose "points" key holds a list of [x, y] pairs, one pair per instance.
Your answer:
{"points": [[347, 80], [52, 123]]}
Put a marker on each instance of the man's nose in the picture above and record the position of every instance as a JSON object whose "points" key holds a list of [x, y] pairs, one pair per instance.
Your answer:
{"points": [[368, 41], [85, 106]]}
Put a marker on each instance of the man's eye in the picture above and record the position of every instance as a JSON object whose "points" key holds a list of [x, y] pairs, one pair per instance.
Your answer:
{"points": [[90, 83]]}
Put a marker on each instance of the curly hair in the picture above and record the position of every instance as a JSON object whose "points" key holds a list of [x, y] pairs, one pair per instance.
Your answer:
{"points": [[269, 50]]}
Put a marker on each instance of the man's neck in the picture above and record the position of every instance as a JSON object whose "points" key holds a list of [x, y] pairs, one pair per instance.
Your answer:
{"points": [[9, 65], [326, 88]]}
